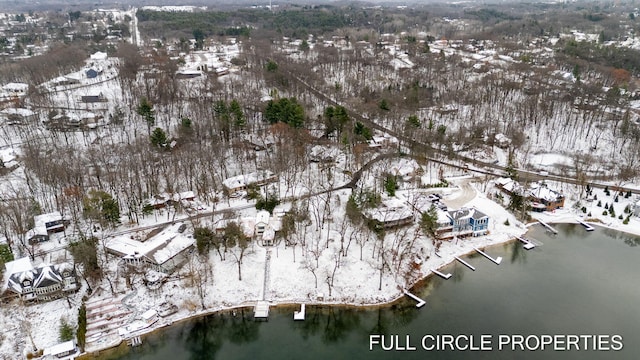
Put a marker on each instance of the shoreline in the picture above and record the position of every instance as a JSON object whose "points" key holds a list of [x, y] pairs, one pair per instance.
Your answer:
{"points": [[448, 260]]}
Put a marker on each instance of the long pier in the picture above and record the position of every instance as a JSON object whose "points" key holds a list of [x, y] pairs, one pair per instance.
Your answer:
{"points": [[586, 226], [444, 276], [549, 227], [466, 264], [420, 301], [497, 260], [528, 245]]}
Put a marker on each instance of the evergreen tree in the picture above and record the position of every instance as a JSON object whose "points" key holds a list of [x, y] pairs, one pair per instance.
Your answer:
{"points": [[158, 138]]}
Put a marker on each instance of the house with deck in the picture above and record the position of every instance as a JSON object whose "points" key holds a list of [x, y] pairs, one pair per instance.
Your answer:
{"points": [[38, 283], [463, 222], [45, 225], [241, 182], [390, 213], [543, 198], [164, 252]]}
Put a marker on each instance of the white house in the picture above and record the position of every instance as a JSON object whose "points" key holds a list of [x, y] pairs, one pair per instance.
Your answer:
{"points": [[65, 350], [164, 252], [241, 182], [262, 222]]}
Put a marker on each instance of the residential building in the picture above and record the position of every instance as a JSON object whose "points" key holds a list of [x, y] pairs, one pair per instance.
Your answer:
{"points": [[241, 182], [164, 252], [41, 283], [390, 213], [45, 225], [65, 350], [543, 198], [469, 221], [18, 116]]}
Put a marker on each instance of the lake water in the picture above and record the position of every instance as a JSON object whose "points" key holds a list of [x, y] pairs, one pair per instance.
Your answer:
{"points": [[576, 283]]}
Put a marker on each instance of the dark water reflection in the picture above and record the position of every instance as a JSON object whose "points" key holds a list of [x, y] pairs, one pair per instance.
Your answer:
{"points": [[574, 283]]}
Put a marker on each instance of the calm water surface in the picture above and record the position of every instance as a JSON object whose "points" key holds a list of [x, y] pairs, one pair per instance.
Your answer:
{"points": [[575, 283]]}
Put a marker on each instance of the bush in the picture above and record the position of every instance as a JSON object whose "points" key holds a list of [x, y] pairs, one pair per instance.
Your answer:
{"points": [[584, 210], [620, 217], [66, 332], [605, 213]]}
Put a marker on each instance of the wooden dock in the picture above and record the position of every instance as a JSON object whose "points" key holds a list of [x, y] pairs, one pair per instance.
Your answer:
{"points": [[135, 341], [586, 226], [549, 227], [261, 311], [420, 301], [444, 276], [299, 315], [497, 260], [528, 245], [466, 264]]}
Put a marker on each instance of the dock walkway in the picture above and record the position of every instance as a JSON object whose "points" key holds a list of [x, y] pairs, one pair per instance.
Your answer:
{"points": [[586, 226], [420, 301], [466, 264], [497, 260], [549, 227]]}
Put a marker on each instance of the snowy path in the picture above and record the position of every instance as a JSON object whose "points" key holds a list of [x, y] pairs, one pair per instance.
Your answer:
{"points": [[267, 274]]}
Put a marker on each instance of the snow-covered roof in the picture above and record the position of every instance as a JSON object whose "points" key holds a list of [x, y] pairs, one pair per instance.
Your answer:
{"points": [[42, 276], [17, 266], [542, 192], [262, 217], [99, 55], [17, 111], [184, 195], [61, 348], [158, 249], [16, 87], [391, 211], [148, 315], [248, 179], [43, 219], [466, 213]]}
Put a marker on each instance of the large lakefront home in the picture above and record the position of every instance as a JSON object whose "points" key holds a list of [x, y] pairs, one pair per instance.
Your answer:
{"points": [[38, 283]]}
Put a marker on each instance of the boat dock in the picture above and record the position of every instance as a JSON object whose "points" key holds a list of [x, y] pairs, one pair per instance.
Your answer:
{"points": [[135, 341], [549, 227], [466, 264], [420, 301], [444, 276], [497, 260], [261, 311], [528, 245], [586, 226], [299, 315]]}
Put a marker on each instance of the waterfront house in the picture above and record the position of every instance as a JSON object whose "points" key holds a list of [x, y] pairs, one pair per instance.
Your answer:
{"points": [[390, 213], [40, 283], [164, 252], [462, 223], [65, 350]]}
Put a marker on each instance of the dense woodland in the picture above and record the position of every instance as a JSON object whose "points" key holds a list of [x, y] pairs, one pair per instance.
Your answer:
{"points": [[337, 87]]}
